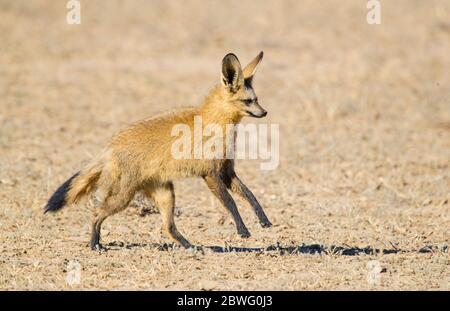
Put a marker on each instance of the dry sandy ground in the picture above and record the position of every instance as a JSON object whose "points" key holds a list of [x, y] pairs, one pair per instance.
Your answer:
{"points": [[364, 146]]}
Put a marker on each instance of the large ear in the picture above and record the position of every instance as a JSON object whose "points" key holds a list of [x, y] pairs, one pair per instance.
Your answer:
{"points": [[232, 76], [250, 69]]}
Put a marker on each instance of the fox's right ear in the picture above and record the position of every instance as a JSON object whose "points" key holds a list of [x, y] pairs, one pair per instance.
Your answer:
{"points": [[250, 69], [232, 76]]}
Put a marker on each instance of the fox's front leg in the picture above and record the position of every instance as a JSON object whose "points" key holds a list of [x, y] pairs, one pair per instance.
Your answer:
{"points": [[219, 189], [237, 186]]}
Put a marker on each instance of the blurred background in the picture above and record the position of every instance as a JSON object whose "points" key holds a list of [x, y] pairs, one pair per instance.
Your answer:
{"points": [[363, 109]]}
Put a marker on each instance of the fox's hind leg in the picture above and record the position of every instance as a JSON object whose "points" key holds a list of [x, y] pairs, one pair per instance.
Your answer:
{"points": [[111, 205], [96, 227], [164, 199]]}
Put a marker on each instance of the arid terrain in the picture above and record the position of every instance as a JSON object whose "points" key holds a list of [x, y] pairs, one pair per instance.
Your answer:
{"points": [[360, 199]]}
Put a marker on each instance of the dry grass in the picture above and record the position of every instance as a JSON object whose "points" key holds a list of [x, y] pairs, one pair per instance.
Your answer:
{"points": [[365, 142]]}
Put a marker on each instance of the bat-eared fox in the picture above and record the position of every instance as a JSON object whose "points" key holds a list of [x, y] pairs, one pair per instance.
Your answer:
{"points": [[139, 159]]}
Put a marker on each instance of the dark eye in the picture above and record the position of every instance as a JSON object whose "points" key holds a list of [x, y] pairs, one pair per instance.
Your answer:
{"points": [[248, 101]]}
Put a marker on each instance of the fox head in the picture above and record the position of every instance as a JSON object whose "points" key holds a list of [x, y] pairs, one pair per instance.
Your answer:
{"points": [[237, 85]]}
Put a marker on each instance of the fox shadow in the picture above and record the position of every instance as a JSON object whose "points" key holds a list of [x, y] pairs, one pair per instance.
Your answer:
{"points": [[276, 249]]}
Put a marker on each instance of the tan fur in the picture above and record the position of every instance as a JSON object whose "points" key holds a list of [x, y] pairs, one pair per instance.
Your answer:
{"points": [[139, 158], [86, 182]]}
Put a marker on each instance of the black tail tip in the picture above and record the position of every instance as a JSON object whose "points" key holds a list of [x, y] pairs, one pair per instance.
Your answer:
{"points": [[49, 207], [58, 199]]}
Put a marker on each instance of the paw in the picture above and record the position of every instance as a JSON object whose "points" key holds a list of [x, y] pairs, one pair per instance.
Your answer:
{"points": [[98, 247], [244, 234], [266, 224], [185, 244], [189, 247]]}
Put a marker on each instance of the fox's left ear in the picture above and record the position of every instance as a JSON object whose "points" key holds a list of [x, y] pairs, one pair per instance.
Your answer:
{"points": [[232, 76], [250, 70]]}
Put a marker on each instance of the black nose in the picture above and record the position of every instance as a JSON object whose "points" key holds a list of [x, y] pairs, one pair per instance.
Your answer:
{"points": [[264, 113]]}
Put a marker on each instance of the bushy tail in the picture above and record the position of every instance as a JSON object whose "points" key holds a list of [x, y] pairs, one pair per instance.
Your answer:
{"points": [[76, 187]]}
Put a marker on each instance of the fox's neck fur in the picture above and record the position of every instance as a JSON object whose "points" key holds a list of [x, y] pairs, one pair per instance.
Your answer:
{"points": [[214, 109]]}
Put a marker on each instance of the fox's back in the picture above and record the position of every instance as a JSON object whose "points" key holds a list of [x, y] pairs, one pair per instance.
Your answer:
{"points": [[145, 147], [152, 133]]}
